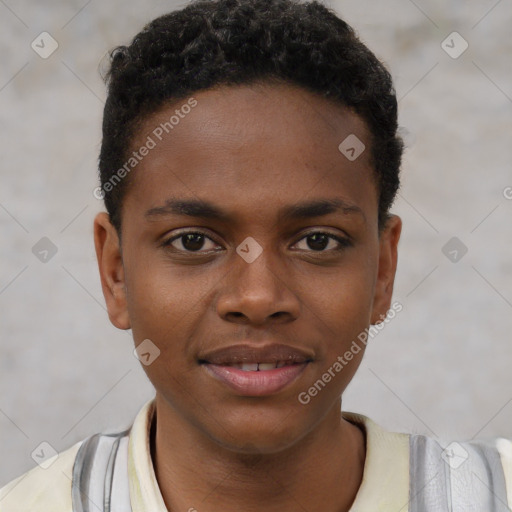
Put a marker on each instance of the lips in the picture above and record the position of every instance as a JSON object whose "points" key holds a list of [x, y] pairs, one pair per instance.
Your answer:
{"points": [[278, 355], [256, 371]]}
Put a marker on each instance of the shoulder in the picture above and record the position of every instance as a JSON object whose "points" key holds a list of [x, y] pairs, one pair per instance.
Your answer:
{"points": [[425, 470], [49, 487], [478, 471], [42, 489]]}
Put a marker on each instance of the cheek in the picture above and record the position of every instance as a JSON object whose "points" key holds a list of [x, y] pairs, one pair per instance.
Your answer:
{"points": [[151, 302], [165, 303], [163, 307], [342, 313], [345, 297]]}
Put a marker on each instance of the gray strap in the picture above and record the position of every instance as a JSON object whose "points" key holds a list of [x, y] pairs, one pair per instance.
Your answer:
{"points": [[82, 474], [120, 492], [109, 475], [428, 476], [100, 474], [464, 477]]}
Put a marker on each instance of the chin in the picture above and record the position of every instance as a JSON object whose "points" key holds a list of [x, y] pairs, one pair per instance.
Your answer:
{"points": [[250, 436]]}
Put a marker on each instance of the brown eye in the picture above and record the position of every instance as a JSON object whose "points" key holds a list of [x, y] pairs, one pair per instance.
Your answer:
{"points": [[191, 241], [319, 241]]}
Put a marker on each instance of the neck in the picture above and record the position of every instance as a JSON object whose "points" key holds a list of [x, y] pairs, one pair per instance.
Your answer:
{"points": [[321, 472]]}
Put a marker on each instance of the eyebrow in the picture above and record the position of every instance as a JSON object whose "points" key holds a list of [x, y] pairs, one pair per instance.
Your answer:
{"points": [[206, 210]]}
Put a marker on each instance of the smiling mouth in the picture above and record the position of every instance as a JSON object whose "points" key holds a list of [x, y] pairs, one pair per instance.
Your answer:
{"points": [[248, 370]]}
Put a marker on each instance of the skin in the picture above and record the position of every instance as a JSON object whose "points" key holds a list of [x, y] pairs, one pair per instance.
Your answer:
{"points": [[251, 150]]}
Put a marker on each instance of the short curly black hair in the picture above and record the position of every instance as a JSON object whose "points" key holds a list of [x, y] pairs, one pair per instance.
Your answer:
{"points": [[236, 42]]}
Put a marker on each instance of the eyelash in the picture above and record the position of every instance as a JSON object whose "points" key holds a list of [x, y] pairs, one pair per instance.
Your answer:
{"points": [[343, 242]]}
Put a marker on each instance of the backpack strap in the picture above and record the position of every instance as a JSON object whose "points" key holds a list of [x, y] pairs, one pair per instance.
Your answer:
{"points": [[463, 477], [100, 474]]}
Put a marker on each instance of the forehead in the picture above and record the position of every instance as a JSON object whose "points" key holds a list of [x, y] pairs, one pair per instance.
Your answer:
{"points": [[253, 146]]}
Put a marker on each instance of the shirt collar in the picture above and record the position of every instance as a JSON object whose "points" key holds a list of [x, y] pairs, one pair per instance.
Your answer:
{"points": [[145, 494], [385, 485]]}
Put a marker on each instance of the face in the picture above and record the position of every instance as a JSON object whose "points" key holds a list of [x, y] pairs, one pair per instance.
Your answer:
{"points": [[248, 237]]}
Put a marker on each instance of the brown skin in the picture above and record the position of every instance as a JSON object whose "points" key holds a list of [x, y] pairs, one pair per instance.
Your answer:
{"points": [[251, 150]]}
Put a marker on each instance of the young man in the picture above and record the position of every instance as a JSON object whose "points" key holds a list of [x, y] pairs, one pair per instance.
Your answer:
{"points": [[248, 165]]}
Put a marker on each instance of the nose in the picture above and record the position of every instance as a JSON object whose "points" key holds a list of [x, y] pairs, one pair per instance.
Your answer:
{"points": [[258, 293]]}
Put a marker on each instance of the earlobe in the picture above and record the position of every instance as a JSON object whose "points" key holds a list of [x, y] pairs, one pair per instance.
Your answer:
{"points": [[110, 265], [388, 258]]}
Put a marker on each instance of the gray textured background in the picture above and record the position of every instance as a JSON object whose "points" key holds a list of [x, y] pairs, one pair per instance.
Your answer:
{"points": [[441, 367]]}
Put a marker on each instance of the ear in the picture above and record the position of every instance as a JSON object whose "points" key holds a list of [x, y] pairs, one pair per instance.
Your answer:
{"points": [[388, 256], [110, 263]]}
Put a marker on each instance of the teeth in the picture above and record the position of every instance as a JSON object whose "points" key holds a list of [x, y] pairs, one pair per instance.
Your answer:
{"points": [[254, 367], [266, 366], [249, 367]]}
